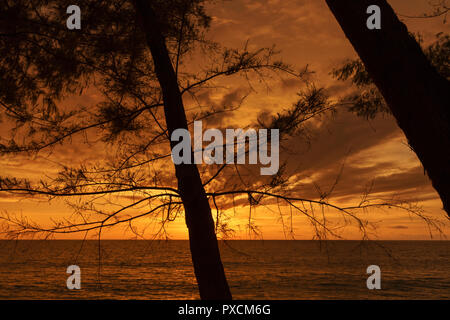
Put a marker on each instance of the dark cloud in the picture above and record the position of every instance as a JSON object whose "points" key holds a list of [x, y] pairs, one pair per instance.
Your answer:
{"points": [[305, 32], [399, 227], [336, 145], [293, 83], [411, 185], [335, 139], [339, 89], [233, 98], [208, 101], [7, 196]]}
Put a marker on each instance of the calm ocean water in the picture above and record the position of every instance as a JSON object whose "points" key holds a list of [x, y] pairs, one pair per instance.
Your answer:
{"points": [[255, 269]]}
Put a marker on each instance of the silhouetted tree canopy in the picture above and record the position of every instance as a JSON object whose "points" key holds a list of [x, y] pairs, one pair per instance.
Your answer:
{"points": [[415, 92], [367, 102], [140, 75]]}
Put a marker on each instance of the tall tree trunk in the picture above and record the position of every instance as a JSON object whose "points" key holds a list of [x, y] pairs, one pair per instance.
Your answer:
{"points": [[205, 253], [417, 95]]}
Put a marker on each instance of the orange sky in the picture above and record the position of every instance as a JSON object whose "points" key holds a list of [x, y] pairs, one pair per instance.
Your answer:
{"points": [[306, 33]]}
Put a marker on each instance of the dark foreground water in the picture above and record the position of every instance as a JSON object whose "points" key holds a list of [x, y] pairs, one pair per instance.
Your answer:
{"points": [[255, 269]]}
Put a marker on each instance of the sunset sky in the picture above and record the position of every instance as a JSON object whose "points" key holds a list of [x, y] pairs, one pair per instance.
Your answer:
{"points": [[375, 151]]}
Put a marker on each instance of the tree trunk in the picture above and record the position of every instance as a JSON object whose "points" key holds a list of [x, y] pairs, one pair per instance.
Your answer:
{"points": [[417, 95], [205, 253]]}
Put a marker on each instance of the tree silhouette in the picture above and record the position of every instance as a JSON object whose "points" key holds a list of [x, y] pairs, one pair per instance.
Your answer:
{"points": [[367, 101], [133, 54], [416, 94], [440, 9]]}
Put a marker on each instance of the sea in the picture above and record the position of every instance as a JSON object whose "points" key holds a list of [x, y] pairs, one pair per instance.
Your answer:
{"points": [[255, 269]]}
